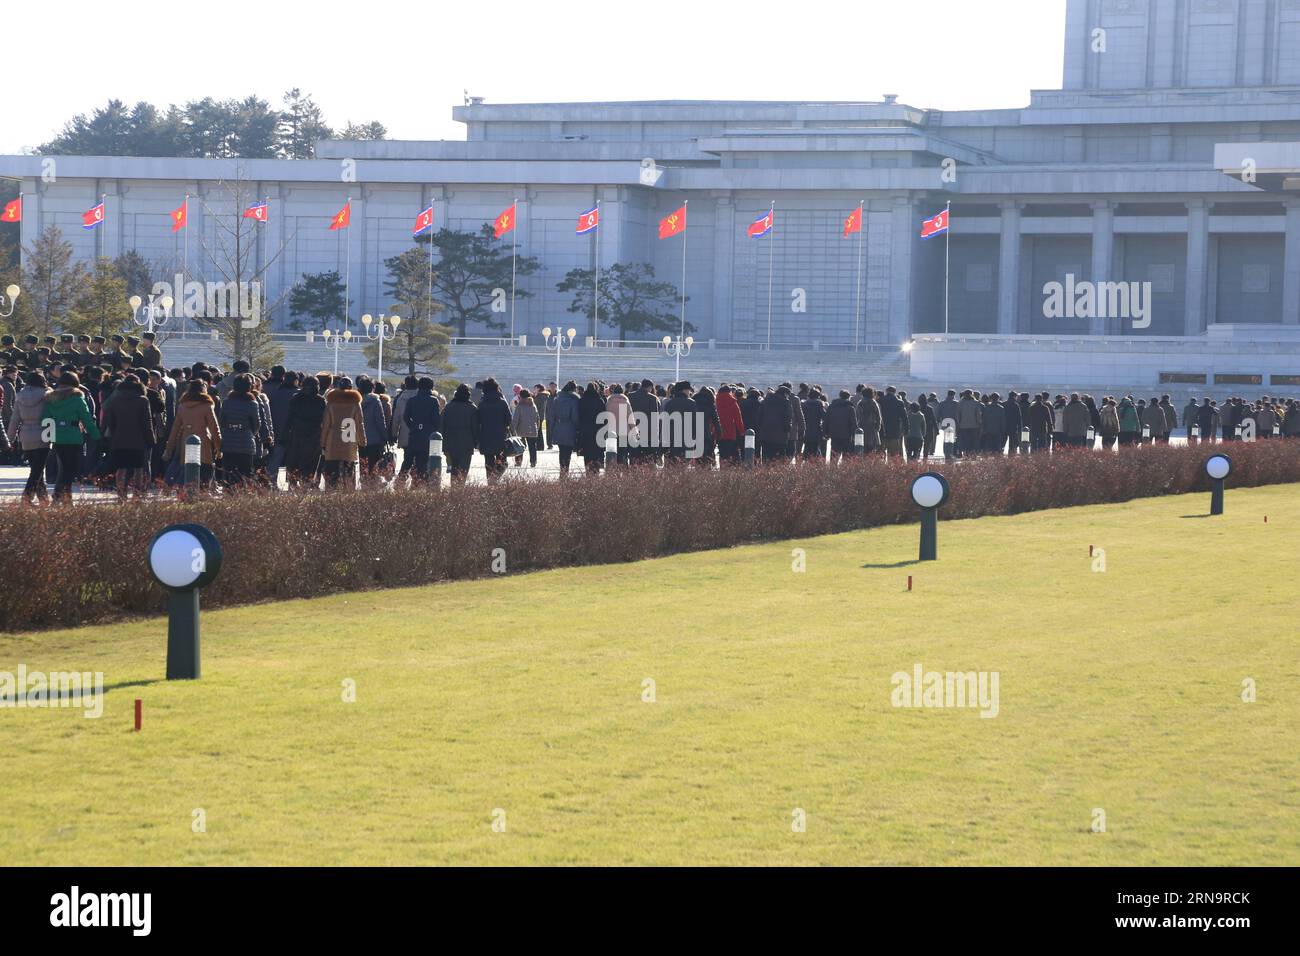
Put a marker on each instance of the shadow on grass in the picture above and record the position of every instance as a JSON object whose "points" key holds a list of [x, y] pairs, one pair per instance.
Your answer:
{"points": [[123, 685], [1194, 517], [889, 567]]}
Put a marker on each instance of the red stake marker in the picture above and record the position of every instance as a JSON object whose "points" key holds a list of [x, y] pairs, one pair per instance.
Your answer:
{"points": [[1090, 554], [139, 712], [909, 582]]}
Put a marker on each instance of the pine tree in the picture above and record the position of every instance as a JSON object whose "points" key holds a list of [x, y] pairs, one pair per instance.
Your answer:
{"points": [[52, 283], [319, 296], [103, 302], [631, 299], [472, 274], [421, 342]]}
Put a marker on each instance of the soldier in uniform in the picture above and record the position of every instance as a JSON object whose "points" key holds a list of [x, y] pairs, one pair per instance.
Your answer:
{"points": [[95, 354], [10, 354], [68, 353], [133, 350], [30, 354], [84, 357], [113, 356], [151, 356]]}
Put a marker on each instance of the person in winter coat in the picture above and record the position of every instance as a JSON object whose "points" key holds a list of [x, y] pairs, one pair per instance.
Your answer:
{"points": [[26, 429], [1191, 416], [731, 425], [751, 410], [797, 423], [460, 433], [1109, 430], [422, 416], [398, 430], [494, 428], [542, 399], [946, 412], [706, 404], [914, 440], [342, 434], [814, 436], [1077, 422], [526, 423], [840, 425], [1041, 420], [1153, 418], [928, 405], [590, 408], [1171, 419], [67, 406], [195, 415], [870, 420], [893, 422], [1011, 408], [970, 420], [618, 409], [241, 423], [565, 419], [1208, 420], [1130, 423], [375, 417], [775, 426], [130, 428], [993, 425], [301, 439]]}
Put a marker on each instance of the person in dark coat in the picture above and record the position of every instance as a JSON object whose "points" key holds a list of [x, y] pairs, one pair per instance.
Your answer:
{"points": [[893, 422], [590, 406], [776, 425], [494, 419], [927, 407], [130, 428], [751, 410], [460, 433], [1014, 419], [683, 409], [644, 401], [302, 426], [840, 425], [421, 417], [707, 405], [241, 424], [814, 435]]}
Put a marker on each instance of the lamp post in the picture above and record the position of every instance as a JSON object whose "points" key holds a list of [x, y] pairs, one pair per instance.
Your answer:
{"points": [[183, 559], [340, 339], [562, 342], [1218, 467], [151, 312], [11, 293], [678, 349], [930, 491], [382, 331]]}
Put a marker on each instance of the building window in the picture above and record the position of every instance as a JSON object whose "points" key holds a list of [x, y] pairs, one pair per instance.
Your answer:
{"points": [[1161, 278], [1254, 277]]}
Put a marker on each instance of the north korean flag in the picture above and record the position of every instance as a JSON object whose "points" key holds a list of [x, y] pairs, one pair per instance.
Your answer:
{"points": [[936, 226], [588, 221], [93, 216], [13, 211], [423, 221], [762, 225], [258, 211]]}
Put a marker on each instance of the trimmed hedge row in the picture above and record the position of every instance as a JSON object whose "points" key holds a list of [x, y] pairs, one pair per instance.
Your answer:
{"points": [[67, 567]]}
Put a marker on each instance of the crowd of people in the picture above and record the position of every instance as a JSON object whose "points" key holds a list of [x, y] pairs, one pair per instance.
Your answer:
{"points": [[111, 416]]}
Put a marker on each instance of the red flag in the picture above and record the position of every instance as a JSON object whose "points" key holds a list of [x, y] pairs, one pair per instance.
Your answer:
{"points": [[180, 217], [935, 226], [505, 222], [256, 211], [673, 223], [343, 218], [93, 216], [761, 226], [13, 211], [853, 223], [588, 221], [423, 221]]}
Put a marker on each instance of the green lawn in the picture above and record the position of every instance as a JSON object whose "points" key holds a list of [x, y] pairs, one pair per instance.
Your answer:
{"points": [[1119, 690]]}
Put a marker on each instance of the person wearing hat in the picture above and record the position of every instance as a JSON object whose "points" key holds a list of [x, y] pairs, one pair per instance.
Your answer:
{"points": [[132, 350], [113, 354], [151, 356], [68, 353], [80, 350], [9, 352], [93, 354], [30, 355]]}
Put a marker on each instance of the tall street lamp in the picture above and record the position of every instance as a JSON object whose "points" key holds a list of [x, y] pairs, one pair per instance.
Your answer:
{"points": [[381, 331], [12, 293], [678, 349], [558, 346], [152, 312], [340, 339]]}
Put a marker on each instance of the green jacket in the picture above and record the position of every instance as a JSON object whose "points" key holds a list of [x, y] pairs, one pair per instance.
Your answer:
{"points": [[67, 406]]}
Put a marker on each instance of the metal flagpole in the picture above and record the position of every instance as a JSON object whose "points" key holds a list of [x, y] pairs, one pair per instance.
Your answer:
{"points": [[185, 263], [347, 279], [685, 203], [947, 258], [430, 232], [595, 296], [771, 253], [857, 307], [514, 233]]}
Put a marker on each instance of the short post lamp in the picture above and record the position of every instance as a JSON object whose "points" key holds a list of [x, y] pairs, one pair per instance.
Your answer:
{"points": [[152, 312], [1196, 434], [1146, 433], [193, 461], [1092, 437], [1024, 438], [183, 559], [335, 341], [930, 492], [750, 451], [678, 349], [859, 442], [381, 331], [558, 344], [11, 293], [1237, 432], [1218, 467], [611, 449], [434, 472], [949, 436]]}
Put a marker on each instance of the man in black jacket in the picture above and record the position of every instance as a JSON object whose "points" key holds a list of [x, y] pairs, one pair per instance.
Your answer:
{"points": [[893, 422], [776, 425], [1012, 407], [644, 401], [423, 417]]}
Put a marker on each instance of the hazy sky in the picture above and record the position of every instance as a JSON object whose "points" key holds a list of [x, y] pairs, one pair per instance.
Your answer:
{"points": [[406, 64]]}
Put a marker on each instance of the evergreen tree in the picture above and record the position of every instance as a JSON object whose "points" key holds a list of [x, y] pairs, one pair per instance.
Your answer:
{"points": [[421, 342], [103, 300], [472, 277], [301, 125], [631, 299], [53, 284], [319, 297]]}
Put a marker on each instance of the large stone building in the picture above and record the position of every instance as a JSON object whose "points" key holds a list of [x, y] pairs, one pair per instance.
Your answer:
{"points": [[1132, 172]]}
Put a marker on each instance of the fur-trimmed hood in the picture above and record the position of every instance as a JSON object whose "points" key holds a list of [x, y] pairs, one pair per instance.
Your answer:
{"points": [[62, 393], [343, 396], [204, 399]]}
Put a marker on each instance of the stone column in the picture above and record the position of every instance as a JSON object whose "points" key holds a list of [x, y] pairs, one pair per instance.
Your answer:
{"points": [[905, 228], [1103, 254], [1198, 267], [1291, 266], [724, 247], [1009, 270]]}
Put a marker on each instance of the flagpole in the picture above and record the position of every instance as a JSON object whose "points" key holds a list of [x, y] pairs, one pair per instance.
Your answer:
{"points": [[430, 230], [347, 278], [857, 306], [595, 296], [771, 256], [947, 258], [514, 233], [682, 334]]}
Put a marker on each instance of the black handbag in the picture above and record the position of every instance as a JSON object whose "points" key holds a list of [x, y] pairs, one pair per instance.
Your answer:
{"points": [[515, 446]]}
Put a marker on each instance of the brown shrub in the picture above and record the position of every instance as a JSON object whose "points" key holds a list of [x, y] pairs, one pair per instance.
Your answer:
{"points": [[61, 567]]}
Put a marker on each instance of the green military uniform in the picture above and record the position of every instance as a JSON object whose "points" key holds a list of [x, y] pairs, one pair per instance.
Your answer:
{"points": [[151, 356], [68, 353]]}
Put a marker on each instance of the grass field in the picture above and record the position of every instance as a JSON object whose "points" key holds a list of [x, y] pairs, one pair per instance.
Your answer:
{"points": [[1119, 690]]}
